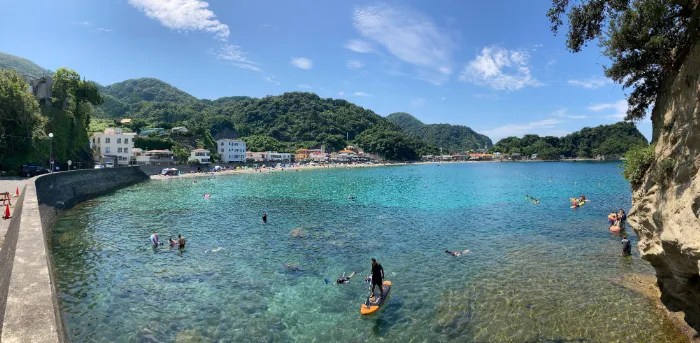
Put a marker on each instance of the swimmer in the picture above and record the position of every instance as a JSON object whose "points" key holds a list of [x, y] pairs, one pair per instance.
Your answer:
{"points": [[172, 242], [264, 218], [457, 253], [351, 197], [207, 195], [344, 279], [154, 239], [181, 241]]}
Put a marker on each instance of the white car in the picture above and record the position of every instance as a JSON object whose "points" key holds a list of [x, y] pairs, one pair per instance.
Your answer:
{"points": [[99, 166], [109, 164]]}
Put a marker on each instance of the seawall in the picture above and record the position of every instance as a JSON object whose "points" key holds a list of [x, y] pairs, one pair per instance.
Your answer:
{"points": [[32, 312]]}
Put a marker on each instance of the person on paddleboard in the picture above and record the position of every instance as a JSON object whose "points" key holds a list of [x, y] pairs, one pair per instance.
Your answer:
{"points": [[377, 277]]}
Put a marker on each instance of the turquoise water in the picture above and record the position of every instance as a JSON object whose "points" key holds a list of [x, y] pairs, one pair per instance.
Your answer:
{"points": [[534, 272]]}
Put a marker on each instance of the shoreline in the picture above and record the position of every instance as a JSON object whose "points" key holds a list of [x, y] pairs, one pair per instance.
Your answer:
{"points": [[645, 285]]}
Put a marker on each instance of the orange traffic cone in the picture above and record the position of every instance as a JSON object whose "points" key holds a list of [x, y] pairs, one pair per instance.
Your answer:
{"points": [[17, 192], [7, 212]]}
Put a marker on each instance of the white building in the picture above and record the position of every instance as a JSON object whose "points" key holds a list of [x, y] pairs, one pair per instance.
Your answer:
{"points": [[231, 150], [202, 156], [269, 156], [113, 144]]}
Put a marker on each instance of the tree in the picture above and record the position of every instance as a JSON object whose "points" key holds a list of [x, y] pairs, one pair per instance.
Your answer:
{"points": [[647, 40], [21, 123]]}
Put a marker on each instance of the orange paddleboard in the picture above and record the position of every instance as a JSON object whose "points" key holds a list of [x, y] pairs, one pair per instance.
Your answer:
{"points": [[373, 304]]}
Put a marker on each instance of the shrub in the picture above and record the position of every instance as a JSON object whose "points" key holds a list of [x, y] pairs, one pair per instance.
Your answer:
{"points": [[637, 161]]}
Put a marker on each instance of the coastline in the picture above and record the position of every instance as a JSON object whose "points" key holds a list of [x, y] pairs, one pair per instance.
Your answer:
{"points": [[645, 285]]}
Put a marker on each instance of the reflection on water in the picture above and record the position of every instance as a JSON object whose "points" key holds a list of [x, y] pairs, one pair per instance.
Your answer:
{"points": [[534, 273]]}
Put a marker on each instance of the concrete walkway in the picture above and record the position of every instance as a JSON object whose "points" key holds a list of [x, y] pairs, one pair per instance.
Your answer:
{"points": [[9, 185]]}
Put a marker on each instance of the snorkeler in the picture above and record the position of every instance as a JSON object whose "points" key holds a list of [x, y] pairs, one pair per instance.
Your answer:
{"points": [[344, 279], [457, 253]]}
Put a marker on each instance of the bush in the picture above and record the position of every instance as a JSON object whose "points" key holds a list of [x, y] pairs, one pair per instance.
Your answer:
{"points": [[637, 161]]}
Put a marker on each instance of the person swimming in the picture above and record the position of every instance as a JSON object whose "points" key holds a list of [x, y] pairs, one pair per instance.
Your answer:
{"points": [[344, 279], [172, 242], [207, 195], [154, 239], [457, 253]]}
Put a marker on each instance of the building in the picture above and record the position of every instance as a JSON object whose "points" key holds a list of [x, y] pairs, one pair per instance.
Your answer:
{"points": [[154, 157], [112, 145], [269, 156], [202, 156], [231, 150], [480, 156]]}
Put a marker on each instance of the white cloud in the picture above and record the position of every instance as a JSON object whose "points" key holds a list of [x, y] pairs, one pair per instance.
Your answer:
{"points": [[562, 113], [500, 69], [359, 46], [616, 110], [235, 55], [183, 15], [591, 83], [541, 127], [103, 29], [341, 93], [272, 79], [361, 94], [409, 36], [302, 63], [354, 64], [268, 27]]}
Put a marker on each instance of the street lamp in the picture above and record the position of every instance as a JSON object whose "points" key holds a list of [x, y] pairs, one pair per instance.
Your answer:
{"points": [[51, 150]]}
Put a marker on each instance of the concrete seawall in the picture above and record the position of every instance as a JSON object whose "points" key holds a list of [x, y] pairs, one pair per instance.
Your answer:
{"points": [[32, 312]]}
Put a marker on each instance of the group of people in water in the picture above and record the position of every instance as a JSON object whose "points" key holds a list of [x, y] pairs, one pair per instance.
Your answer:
{"points": [[617, 222], [178, 243]]}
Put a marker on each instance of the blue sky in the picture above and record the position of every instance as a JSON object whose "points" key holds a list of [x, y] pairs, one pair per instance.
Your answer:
{"points": [[491, 65]]}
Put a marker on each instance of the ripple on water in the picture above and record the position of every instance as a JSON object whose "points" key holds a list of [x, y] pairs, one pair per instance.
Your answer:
{"points": [[535, 273]]}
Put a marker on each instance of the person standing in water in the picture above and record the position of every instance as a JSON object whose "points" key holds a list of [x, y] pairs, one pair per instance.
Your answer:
{"points": [[626, 246], [154, 239], [377, 277], [264, 218], [181, 241], [622, 217]]}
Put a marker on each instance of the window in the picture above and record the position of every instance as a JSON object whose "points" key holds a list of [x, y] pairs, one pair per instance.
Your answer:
{"points": [[119, 150], [126, 141], [119, 141], [126, 150], [222, 150], [107, 151], [107, 140], [222, 143], [98, 140]]}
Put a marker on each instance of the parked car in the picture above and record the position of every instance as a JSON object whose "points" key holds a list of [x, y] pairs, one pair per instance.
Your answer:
{"points": [[30, 170], [109, 164], [99, 166]]}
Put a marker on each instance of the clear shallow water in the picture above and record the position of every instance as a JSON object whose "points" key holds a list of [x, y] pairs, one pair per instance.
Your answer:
{"points": [[535, 272]]}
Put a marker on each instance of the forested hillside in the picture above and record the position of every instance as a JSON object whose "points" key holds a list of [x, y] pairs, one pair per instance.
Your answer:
{"points": [[23, 66], [452, 138], [606, 140]]}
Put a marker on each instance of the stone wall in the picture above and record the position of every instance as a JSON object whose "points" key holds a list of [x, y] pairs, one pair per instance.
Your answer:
{"points": [[32, 312], [666, 205]]}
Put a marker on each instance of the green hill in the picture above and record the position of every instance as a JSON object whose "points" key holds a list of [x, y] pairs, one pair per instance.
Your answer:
{"points": [[453, 138], [22, 65], [608, 140]]}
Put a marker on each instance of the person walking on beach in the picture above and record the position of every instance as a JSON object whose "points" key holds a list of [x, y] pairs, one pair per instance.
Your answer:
{"points": [[626, 246], [377, 277], [264, 218]]}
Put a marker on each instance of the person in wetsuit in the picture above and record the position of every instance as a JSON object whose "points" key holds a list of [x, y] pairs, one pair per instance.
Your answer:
{"points": [[377, 277], [264, 218]]}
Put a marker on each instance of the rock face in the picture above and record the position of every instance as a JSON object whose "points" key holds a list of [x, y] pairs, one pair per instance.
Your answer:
{"points": [[666, 204]]}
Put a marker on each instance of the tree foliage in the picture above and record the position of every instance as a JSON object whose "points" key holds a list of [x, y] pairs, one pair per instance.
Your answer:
{"points": [[453, 138], [21, 123], [608, 140], [646, 40]]}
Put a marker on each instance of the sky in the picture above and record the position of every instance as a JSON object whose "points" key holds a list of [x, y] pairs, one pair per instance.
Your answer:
{"points": [[494, 66]]}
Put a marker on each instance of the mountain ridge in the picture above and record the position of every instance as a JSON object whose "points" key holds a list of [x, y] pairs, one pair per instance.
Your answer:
{"points": [[453, 138]]}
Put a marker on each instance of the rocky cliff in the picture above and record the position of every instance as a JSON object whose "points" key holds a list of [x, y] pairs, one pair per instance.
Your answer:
{"points": [[666, 204]]}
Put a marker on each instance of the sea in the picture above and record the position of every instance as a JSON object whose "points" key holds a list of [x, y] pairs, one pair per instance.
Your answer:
{"points": [[534, 272]]}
